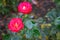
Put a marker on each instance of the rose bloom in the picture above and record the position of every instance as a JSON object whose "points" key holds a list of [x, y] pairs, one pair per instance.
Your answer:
{"points": [[15, 25], [24, 7]]}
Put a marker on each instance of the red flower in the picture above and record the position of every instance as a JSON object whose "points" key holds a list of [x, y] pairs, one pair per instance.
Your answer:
{"points": [[25, 7], [15, 24]]}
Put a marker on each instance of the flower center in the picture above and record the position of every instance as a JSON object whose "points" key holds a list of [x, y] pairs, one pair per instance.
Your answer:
{"points": [[16, 25], [24, 7]]}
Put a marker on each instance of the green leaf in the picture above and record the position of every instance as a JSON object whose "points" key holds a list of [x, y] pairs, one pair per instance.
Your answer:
{"points": [[29, 24], [15, 38], [29, 34], [40, 20], [52, 14], [6, 37], [57, 2], [0, 2], [58, 35], [58, 27], [36, 32], [57, 21]]}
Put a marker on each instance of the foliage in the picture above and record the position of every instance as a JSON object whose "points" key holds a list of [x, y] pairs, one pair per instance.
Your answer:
{"points": [[44, 28]]}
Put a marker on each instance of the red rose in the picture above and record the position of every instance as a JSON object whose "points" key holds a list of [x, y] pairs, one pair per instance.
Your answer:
{"points": [[15, 24], [25, 7]]}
